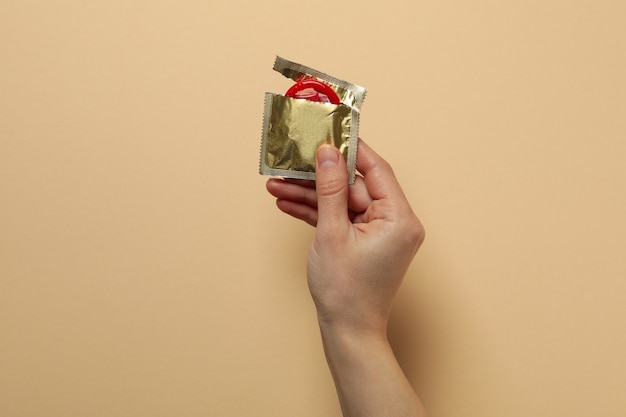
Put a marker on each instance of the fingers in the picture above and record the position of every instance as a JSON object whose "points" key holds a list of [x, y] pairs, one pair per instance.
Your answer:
{"points": [[299, 211], [379, 178], [331, 182], [298, 198], [298, 191], [343, 203], [359, 198]]}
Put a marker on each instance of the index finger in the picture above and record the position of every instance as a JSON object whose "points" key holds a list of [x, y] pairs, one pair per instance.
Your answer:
{"points": [[378, 175]]}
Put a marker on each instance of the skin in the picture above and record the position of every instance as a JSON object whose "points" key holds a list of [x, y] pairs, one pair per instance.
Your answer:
{"points": [[366, 237]]}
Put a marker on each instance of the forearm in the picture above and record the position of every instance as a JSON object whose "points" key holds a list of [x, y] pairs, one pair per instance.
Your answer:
{"points": [[367, 376]]}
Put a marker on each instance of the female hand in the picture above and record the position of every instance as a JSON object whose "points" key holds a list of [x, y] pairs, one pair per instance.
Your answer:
{"points": [[365, 239], [366, 236]]}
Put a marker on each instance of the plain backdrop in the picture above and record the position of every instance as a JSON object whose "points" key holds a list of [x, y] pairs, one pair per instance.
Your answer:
{"points": [[145, 271]]}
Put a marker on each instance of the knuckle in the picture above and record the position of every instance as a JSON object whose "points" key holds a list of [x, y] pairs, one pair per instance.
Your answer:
{"points": [[386, 166], [413, 232], [330, 186]]}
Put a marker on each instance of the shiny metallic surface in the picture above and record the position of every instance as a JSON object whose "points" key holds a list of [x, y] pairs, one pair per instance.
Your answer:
{"points": [[293, 128], [298, 127]]}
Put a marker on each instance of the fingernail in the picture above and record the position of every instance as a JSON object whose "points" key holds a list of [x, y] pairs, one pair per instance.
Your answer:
{"points": [[327, 156]]}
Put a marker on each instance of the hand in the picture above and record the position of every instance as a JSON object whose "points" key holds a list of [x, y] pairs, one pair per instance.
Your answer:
{"points": [[365, 239]]}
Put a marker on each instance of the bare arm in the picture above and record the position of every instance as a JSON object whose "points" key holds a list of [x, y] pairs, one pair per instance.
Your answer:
{"points": [[366, 236]]}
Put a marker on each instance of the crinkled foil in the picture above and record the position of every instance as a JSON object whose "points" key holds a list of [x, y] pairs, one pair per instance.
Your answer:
{"points": [[294, 128], [350, 94]]}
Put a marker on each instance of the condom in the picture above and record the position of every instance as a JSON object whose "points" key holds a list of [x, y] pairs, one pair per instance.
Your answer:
{"points": [[313, 90], [318, 109]]}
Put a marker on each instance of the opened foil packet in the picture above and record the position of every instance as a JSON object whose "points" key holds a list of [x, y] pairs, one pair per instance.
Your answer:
{"points": [[317, 109]]}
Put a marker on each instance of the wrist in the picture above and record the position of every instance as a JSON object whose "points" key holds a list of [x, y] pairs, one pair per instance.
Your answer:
{"points": [[359, 332], [365, 320]]}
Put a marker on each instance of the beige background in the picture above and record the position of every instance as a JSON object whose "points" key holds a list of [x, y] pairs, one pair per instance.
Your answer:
{"points": [[144, 271]]}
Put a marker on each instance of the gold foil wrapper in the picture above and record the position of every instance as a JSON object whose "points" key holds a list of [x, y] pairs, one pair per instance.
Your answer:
{"points": [[350, 94], [294, 128]]}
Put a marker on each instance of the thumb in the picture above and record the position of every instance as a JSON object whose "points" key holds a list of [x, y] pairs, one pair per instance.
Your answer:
{"points": [[331, 183]]}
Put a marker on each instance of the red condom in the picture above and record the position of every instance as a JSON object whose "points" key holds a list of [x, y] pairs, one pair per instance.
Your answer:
{"points": [[313, 90]]}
